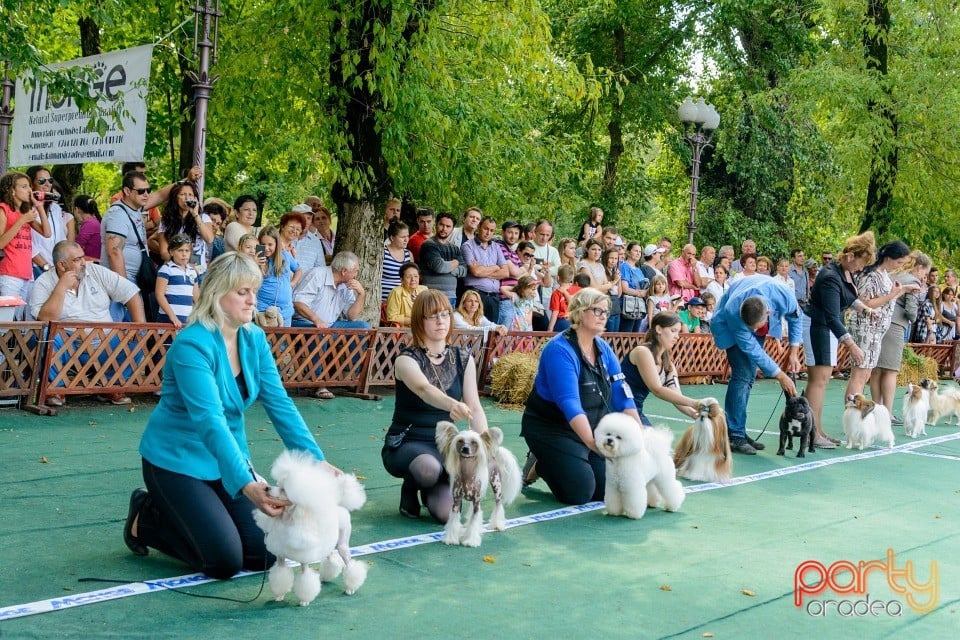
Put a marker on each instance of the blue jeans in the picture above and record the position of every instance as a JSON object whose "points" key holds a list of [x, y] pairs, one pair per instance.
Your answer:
{"points": [[613, 323], [507, 312], [742, 374], [339, 324]]}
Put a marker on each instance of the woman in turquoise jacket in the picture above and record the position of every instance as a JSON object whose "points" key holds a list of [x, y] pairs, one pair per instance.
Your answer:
{"points": [[201, 486]]}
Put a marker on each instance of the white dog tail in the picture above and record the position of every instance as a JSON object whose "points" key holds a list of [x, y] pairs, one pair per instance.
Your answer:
{"points": [[352, 495], [511, 479], [658, 439]]}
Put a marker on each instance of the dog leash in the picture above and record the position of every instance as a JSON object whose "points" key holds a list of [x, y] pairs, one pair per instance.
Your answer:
{"points": [[776, 404]]}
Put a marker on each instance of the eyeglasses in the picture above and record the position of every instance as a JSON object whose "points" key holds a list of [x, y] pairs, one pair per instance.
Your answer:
{"points": [[443, 315], [142, 190], [526, 256], [44, 180], [599, 312]]}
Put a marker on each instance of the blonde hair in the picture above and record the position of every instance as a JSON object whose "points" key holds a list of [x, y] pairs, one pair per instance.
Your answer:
{"points": [[581, 301], [228, 272], [861, 246], [471, 318], [655, 280], [278, 262]]}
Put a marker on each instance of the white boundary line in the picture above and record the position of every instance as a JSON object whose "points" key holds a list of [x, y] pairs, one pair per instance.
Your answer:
{"points": [[148, 586]]}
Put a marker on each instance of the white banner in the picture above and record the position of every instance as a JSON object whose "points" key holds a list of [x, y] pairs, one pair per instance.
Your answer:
{"points": [[48, 131]]}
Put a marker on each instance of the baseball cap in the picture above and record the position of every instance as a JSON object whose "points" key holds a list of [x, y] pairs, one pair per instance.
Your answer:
{"points": [[810, 264], [696, 301], [651, 249], [618, 242], [510, 224], [301, 208]]}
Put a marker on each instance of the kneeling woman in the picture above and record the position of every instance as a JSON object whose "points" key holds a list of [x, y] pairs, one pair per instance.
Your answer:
{"points": [[201, 486], [434, 382], [577, 383], [648, 368]]}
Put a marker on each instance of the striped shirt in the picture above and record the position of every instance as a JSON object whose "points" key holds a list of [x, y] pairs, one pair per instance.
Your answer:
{"points": [[390, 278], [179, 294]]}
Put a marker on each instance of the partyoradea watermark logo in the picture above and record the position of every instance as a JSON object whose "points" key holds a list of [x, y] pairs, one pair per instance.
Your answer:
{"points": [[853, 582]]}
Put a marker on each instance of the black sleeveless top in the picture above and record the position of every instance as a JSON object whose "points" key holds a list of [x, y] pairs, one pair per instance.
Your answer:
{"points": [[410, 410]]}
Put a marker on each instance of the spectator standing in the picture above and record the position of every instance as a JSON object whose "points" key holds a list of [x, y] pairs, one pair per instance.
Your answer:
{"points": [[652, 255], [508, 247], [89, 233], [441, 263], [801, 279], [591, 228], [683, 277], [466, 232], [705, 266], [747, 247], [177, 288], [62, 224], [245, 209], [486, 266], [323, 219], [281, 273], [395, 254], [181, 215], [307, 247], [424, 232], [633, 286], [20, 214]]}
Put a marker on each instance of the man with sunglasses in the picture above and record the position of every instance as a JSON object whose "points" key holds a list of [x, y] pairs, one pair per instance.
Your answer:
{"points": [[123, 231]]}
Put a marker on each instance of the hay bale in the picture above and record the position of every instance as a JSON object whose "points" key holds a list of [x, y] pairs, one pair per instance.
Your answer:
{"points": [[511, 378], [916, 367]]}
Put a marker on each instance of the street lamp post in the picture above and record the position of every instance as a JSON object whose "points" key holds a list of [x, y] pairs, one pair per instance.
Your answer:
{"points": [[206, 25], [699, 121]]}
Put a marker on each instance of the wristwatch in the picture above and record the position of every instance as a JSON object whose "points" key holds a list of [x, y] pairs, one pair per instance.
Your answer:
{"points": [[46, 267]]}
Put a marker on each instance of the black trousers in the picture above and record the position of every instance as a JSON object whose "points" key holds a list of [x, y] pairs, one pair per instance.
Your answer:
{"points": [[574, 473], [491, 305], [198, 522]]}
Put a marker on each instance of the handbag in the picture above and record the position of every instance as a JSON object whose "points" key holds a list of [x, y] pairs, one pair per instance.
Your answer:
{"points": [[632, 308]]}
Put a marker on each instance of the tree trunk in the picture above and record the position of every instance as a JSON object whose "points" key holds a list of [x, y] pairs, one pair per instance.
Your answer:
{"points": [[70, 176], [614, 127], [360, 230], [885, 161]]}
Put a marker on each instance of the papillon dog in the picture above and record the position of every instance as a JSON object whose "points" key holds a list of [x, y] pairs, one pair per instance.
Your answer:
{"points": [[865, 421]]}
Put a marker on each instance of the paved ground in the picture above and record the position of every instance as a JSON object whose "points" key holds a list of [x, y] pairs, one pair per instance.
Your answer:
{"points": [[722, 567]]}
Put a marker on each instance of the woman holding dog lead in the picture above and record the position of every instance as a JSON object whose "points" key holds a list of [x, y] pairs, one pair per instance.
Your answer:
{"points": [[435, 382], [201, 486], [648, 368], [578, 382]]}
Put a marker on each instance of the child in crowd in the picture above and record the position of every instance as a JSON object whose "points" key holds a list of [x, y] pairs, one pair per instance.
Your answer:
{"points": [[710, 301], [281, 272], [177, 288], [691, 316], [526, 289], [658, 300], [561, 298], [248, 244]]}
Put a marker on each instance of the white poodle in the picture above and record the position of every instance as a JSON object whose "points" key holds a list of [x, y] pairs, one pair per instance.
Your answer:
{"points": [[314, 528], [640, 470]]}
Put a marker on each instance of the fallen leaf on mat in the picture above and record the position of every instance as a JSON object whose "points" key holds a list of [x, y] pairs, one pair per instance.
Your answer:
{"points": [[937, 516], [92, 423], [665, 587], [489, 559], [708, 634], [132, 409], [261, 430], [747, 592], [359, 477], [43, 460]]}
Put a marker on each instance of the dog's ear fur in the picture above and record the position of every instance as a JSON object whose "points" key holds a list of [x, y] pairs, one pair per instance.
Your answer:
{"points": [[866, 406], [446, 432], [495, 434]]}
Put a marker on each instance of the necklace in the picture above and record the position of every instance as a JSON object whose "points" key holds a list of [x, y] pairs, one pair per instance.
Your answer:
{"points": [[435, 355]]}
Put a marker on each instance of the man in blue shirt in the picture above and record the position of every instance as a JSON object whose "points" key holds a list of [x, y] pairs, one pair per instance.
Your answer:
{"points": [[754, 307]]}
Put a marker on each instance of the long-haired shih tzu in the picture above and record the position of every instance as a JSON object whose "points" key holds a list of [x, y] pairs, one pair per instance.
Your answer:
{"points": [[703, 452]]}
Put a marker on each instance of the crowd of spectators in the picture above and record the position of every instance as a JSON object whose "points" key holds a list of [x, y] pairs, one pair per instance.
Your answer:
{"points": [[509, 276]]}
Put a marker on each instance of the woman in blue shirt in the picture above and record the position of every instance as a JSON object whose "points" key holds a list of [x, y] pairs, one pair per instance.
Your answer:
{"points": [[577, 383], [201, 486]]}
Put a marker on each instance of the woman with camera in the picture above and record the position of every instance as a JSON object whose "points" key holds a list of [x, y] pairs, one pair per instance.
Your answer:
{"points": [[181, 215], [20, 211]]}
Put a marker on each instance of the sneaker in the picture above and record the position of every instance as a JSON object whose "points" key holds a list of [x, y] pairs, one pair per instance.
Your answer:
{"points": [[56, 400], [137, 500], [114, 398], [759, 446], [824, 443], [529, 473], [895, 421], [740, 445]]}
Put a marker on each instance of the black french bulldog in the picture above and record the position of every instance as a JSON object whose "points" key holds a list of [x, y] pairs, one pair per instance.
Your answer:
{"points": [[797, 420]]}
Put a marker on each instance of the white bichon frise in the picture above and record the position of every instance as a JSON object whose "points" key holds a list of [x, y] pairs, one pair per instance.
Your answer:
{"points": [[314, 528], [640, 470], [475, 461]]}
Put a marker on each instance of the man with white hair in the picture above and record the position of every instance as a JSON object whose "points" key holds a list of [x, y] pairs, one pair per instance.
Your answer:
{"points": [[331, 296]]}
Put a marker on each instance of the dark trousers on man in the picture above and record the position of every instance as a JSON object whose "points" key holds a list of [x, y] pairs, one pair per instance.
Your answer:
{"points": [[491, 305]]}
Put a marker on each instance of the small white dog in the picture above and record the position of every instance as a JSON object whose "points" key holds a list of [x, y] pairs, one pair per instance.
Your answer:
{"points": [[314, 528], [916, 404], [865, 421], [640, 471], [474, 461], [703, 452], [942, 403]]}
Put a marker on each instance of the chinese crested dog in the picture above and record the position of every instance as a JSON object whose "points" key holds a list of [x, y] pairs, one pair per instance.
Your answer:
{"points": [[475, 461]]}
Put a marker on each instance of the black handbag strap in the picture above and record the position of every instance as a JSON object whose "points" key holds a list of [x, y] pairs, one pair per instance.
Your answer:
{"points": [[133, 224]]}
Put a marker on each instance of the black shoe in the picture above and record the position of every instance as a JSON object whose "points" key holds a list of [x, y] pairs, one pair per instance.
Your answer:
{"points": [[137, 500], [409, 502], [759, 446], [529, 473], [740, 445], [896, 422]]}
